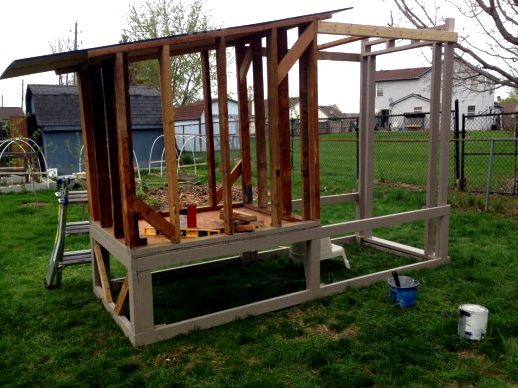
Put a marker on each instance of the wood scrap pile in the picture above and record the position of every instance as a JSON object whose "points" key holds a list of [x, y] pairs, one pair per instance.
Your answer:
{"points": [[243, 222]]}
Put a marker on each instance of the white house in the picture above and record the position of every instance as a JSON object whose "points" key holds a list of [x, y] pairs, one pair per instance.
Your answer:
{"points": [[407, 92], [190, 130]]}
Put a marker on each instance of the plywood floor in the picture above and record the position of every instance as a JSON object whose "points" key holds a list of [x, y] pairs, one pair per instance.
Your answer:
{"points": [[210, 221]]}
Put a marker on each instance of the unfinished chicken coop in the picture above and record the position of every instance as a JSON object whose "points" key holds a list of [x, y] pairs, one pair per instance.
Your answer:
{"points": [[147, 242]]}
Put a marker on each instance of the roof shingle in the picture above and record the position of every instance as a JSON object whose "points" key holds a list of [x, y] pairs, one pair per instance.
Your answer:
{"points": [[401, 74]]}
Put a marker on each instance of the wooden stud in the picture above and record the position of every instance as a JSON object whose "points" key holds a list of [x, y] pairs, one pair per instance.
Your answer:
{"points": [[273, 129], [243, 63], [99, 255], [304, 132], [209, 127], [122, 298], [260, 125], [89, 144], [169, 143], [313, 133], [111, 139], [100, 144], [125, 146], [284, 119], [221, 61]]}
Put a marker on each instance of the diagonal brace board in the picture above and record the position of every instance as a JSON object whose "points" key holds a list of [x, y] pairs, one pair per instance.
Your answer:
{"points": [[103, 275], [296, 51], [123, 296], [155, 219], [234, 174]]}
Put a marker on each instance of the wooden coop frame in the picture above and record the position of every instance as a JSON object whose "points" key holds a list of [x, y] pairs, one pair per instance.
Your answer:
{"points": [[115, 209]]}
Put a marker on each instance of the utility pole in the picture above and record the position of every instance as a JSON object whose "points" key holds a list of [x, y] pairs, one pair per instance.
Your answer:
{"points": [[75, 48]]}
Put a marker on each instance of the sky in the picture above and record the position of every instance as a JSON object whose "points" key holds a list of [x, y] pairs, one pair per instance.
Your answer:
{"points": [[28, 26]]}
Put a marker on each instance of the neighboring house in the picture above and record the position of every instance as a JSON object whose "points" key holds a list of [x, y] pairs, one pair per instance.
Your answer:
{"points": [[14, 118], [55, 122], [331, 118], [407, 92]]}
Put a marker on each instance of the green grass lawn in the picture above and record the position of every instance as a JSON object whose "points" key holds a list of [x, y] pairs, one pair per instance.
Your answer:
{"points": [[65, 337]]}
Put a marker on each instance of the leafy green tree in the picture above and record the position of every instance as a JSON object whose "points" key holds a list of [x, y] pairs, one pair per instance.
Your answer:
{"points": [[159, 18]]}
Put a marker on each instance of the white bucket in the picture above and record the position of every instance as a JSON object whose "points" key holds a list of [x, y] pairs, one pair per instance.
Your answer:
{"points": [[472, 321]]}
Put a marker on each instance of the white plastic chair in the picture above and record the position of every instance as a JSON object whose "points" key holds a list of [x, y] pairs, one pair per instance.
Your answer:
{"points": [[328, 250]]}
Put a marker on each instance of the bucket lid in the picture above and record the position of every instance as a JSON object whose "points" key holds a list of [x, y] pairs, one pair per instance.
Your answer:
{"points": [[473, 308]]}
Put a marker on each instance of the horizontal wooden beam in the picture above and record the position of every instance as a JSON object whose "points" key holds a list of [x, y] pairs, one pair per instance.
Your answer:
{"points": [[339, 42], [368, 31], [335, 56], [331, 56], [395, 49]]}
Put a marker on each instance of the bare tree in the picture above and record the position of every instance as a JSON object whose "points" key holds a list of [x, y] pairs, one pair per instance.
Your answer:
{"points": [[61, 45], [489, 48], [158, 18]]}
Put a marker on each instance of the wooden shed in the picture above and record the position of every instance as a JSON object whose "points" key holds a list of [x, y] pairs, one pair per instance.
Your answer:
{"points": [[117, 214]]}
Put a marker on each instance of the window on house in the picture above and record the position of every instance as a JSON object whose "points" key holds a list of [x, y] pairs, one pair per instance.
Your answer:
{"points": [[379, 89], [471, 111], [418, 109]]}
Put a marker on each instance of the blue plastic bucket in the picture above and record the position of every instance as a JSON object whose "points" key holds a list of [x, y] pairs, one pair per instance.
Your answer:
{"points": [[405, 295]]}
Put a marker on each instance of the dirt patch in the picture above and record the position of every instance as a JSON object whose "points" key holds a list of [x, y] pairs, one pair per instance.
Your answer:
{"points": [[189, 194], [171, 358]]}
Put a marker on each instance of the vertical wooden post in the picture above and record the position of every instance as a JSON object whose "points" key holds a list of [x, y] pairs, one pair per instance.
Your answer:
{"points": [[443, 227], [221, 62], [313, 130], [260, 130], [304, 133], [140, 301], [433, 136], [166, 92], [367, 117], [101, 149], [312, 265], [284, 127], [125, 146], [209, 127], [89, 144], [244, 124], [111, 139], [273, 129]]}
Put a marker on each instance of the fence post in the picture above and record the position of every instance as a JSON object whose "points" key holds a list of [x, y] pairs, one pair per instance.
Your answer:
{"points": [[462, 180], [456, 142]]}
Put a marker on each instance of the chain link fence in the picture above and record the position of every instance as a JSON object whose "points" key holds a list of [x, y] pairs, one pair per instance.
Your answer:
{"points": [[487, 150], [483, 152]]}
